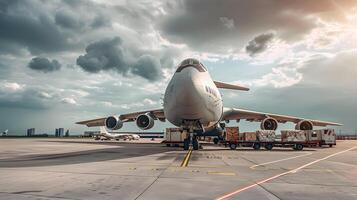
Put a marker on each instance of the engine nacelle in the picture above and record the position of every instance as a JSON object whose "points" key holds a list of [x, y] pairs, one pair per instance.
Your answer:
{"points": [[145, 121], [113, 123], [304, 125], [269, 124]]}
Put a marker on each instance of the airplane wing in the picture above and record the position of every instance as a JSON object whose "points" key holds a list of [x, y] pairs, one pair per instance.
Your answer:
{"points": [[230, 86], [157, 114], [254, 116]]}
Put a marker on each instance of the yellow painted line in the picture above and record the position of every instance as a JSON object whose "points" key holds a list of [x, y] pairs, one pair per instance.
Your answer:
{"points": [[279, 175], [187, 158], [222, 173], [275, 161]]}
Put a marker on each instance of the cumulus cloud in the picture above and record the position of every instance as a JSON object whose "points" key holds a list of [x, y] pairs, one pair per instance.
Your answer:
{"points": [[104, 55], [24, 24], [280, 77], [6, 86], [259, 43], [228, 23], [195, 22], [68, 19], [148, 67], [68, 100], [44, 64], [18, 95], [110, 54], [40, 27], [15, 95]]}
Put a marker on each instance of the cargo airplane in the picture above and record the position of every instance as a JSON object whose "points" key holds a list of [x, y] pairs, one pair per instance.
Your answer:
{"points": [[5, 132], [193, 103], [116, 136]]}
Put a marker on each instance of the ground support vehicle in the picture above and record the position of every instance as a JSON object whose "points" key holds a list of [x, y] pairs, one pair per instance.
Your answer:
{"points": [[296, 139]]}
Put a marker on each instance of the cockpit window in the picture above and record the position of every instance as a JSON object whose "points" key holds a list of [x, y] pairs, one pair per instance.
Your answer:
{"points": [[191, 62]]}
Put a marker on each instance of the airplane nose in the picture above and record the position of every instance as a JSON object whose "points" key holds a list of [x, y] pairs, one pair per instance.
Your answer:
{"points": [[188, 91]]}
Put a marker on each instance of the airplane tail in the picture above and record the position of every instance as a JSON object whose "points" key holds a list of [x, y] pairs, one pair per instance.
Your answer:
{"points": [[104, 132]]}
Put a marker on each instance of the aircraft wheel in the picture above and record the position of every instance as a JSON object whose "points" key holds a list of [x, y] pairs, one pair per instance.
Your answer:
{"points": [[195, 144], [269, 146], [256, 146], [215, 140], [232, 146], [186, 144], [299, 147]]}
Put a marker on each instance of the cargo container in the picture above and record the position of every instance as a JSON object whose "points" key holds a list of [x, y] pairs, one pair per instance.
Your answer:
{"points": [[297, 139], [250, 136], [232, 133], [266, 135], [293, 136]]}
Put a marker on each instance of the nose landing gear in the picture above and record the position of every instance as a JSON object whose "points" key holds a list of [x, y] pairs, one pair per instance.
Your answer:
{"points": [[191, 139]]}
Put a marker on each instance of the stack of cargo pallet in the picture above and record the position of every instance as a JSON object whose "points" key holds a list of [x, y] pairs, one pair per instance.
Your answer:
{"points": [[293, 136], [232, 133], [250, 136], [266, 135]]}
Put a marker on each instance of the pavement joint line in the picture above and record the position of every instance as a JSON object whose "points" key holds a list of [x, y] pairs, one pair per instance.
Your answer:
{"points": [[269, 192], [222, 173], [282, 174], [187, 158], [38, 195], [280, 160], [157, 178]]}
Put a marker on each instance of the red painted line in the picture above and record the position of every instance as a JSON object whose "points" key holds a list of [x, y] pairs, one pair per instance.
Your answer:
{"points": [[279, 175]]}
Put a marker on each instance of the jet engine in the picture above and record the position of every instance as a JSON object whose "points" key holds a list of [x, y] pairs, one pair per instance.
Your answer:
{"points": [[269, 124], [113, 123], [304, 125], [145, 121]]}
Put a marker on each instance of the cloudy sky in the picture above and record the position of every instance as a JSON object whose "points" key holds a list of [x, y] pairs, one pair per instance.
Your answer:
{"points": [[66, 61]]}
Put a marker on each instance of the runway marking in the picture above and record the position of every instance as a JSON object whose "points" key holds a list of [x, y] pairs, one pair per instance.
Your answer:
{"points": [[187, 158], [275, 161], [222, 173], [282, 174]]}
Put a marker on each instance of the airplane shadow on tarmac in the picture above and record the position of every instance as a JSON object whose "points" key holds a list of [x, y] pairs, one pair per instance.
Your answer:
{"points": [[261, 150], [123, 151]]}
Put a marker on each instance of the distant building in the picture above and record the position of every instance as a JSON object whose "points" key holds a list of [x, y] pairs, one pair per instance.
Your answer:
{"points": [[30, 132], [67, 133], [59, 132]]}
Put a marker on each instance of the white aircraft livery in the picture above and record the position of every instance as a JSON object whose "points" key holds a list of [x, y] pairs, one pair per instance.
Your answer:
{"points": [[192, 102], [104, 133], [5, 132]]}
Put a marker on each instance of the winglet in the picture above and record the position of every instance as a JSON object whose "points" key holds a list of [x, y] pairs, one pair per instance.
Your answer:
{"points": [[230, 86]]}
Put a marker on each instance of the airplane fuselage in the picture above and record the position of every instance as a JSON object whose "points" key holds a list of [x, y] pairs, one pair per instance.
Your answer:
{"points": [[191, 96]]}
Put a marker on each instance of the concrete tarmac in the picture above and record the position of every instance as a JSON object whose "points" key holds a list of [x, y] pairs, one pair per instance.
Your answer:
{"points": [[87, 169]]}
